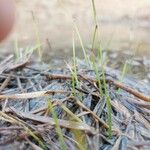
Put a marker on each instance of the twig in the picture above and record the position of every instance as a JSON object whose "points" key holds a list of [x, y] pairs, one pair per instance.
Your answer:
{"points": [[130, 90], [91, 79], [111, 81]]}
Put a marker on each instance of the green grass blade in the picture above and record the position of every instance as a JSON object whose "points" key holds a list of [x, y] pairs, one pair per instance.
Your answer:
{"points": [[58, 129]]}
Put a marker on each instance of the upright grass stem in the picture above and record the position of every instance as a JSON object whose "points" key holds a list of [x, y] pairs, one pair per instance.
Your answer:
{"points": [[58, 129], [94, 37], [94, 11], [108, 103], [82, 45]]}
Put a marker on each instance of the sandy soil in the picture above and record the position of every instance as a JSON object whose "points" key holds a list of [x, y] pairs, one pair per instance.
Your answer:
{"points": [[124, 24]]}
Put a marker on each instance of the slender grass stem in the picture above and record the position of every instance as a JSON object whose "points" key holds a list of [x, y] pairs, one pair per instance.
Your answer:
{"points": [[16, 49], [74, 61], [108, 103], [94, 11], [58, 129], [94, 37], [82, 45]]}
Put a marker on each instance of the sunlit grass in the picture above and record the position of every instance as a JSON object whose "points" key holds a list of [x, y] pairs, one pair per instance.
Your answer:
{"points": [[74, 71]]}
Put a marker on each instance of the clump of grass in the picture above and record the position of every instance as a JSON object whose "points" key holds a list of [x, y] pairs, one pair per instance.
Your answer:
{"points": [[77, 134], [95, 67], [21, 53], [108, 103], [74, 71]]}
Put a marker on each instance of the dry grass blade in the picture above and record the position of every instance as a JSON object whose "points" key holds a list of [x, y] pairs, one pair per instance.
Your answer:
{"points": [[5, 83], [141, 119], [91, 112], [74, 117], [33, 94], [6, 63], [19, 65], [143, 104]]}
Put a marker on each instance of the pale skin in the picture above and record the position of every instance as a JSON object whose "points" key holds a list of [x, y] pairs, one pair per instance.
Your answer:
{"points": [[7, 17]]}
